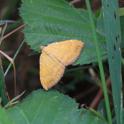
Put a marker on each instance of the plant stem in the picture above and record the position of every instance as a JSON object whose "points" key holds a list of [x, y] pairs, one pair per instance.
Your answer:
{"points": [[9, 66], [102, 75]]}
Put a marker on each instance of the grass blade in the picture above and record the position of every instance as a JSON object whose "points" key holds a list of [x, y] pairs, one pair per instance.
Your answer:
{"points": [[2, 86], [9, 66], [113, 38], [104, 87]]}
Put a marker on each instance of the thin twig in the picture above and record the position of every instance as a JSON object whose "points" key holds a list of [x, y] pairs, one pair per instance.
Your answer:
{"points": [[12, 62], [18, 28], [99, 95], [74, 1], [9, 66], [14, 100], [2, 33]]}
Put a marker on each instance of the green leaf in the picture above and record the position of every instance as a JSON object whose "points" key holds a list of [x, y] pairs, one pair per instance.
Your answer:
{"points": [[4, 118], [113, 38], [122, 31], [42, 107], [55, 20], [101, 29]]}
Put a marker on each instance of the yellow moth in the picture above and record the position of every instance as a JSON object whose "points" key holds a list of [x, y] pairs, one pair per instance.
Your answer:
{"points": [[54, 59]]}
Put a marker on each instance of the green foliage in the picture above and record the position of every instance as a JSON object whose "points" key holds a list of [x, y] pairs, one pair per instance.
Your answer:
{"points": [[52, 21], [43, 107], [101, 29], [122, 30], [4, 117], [99, 58], [113, 38]]}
